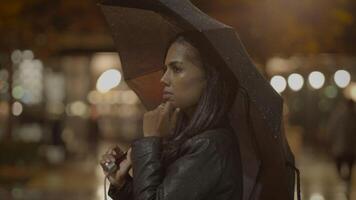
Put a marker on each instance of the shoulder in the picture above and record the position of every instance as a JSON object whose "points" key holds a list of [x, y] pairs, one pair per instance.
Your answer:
{"points": [[216, 140]]}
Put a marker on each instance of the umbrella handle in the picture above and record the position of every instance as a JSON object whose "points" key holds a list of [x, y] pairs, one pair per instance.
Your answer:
{"points": [[289, 164]]}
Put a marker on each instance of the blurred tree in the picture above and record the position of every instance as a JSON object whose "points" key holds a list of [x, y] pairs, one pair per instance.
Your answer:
{"points": [[42, 25], [267, 27]]}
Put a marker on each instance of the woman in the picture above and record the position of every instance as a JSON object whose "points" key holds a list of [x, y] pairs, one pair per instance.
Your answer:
{"points": [[188, 150]]}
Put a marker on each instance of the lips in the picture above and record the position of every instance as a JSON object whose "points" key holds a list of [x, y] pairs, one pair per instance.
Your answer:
{"points": [[165, 92], [167, 95]]}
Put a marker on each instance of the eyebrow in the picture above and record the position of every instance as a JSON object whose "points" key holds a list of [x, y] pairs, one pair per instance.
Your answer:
{"points": [[173, 63]]}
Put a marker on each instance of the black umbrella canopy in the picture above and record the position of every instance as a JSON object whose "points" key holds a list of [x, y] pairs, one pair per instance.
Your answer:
{"points": [[141, 31]]}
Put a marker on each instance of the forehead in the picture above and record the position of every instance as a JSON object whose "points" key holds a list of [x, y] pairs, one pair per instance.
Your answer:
{"points": [[182, 51]]}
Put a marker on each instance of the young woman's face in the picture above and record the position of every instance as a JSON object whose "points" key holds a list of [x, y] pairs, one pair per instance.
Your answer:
{"points": [[184, 78]]}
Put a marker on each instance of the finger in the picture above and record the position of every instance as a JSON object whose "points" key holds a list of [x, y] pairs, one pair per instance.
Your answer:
{"points": [[131, 172], [118, 151], [167, 110], [109, 158], [103, 158], [161, 106], [112, 149], [102, 161], [113, 152], [174, 117], [109, 150], [125, 165], [128, 156], [123, 169]]}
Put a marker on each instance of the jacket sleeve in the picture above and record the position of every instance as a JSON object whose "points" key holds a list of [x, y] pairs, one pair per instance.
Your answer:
{"points": [[190, 177], [124, 193]]}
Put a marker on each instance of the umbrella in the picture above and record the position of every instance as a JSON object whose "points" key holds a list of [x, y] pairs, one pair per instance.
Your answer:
{"points": [[142, 29]]}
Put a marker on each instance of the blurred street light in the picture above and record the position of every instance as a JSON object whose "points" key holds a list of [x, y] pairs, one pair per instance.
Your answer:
{"points": [[350, 91], [295, 81], [278, 83], [17, 108], [108, 80], [77, 108], [316, 79], [316, 196], [342, 78]]}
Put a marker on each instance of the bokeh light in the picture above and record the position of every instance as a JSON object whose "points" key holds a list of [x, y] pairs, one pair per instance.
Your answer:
{"points": [[27, 55], [77, 108], [129, 97], [17, 108], [295, 81], [278, 83], [28, 82], [331, 91], [353, 92], [16, 56], [342, 78], [108, 80], [350, 91], [316, 196], [18, 92], [316, 79]]}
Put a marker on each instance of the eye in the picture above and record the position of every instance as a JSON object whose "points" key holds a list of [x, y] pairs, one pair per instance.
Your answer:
{"points": [[176, 69]]}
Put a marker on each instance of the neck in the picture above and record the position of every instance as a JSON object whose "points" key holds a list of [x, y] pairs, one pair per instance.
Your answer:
{"points": [[189, 112]]}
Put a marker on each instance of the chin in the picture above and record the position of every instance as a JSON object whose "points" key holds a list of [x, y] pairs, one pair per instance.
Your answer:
{"points": [[174, 105]]}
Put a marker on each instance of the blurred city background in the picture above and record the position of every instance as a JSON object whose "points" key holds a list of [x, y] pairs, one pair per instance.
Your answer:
{"points": [[63, 100]]}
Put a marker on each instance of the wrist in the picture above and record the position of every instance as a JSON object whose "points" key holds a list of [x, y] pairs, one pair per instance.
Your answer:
{"points": [[119, 185]]}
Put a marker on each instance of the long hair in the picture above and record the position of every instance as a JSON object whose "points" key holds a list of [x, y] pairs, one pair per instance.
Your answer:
{"points": [[213, 105]]}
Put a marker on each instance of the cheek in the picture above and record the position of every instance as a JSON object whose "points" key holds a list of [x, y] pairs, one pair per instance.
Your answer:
{"points": [[187, 91]]}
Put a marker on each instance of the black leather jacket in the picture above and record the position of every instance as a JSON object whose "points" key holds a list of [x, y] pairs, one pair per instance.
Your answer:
{"points": [[209, 168]]}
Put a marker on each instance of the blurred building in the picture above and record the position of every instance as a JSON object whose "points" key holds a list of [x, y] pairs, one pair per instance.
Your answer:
{"points": [[63, 97]]}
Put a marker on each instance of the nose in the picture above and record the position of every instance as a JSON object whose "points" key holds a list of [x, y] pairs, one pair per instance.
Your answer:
{"points": [[165, 78]]}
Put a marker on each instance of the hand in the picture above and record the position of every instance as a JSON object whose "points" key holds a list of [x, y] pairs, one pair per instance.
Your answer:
{"points": [[160, 121], [118, 177]]}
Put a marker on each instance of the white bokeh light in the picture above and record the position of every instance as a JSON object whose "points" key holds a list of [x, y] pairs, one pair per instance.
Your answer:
{"points": [[342, 78], [352, 92], [316, 79], [17, 108], [108, 80], [295, 81], [27, 55], [278, 83], [316, 196], [16, 56], [29, 79]]}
